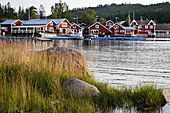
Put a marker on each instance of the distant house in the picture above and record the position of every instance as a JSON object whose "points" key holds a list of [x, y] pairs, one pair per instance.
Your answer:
{"points": [[96, 29], [76, 29], [144, 27], [82, 25], [162, 30], [14, 27], [108, 23], [119, 30]]}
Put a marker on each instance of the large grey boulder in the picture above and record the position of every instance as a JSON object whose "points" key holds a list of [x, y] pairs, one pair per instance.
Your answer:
{"points": [[74, 60], [80, 88]]}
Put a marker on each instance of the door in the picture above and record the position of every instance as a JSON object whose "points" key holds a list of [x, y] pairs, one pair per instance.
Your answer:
{"points": [[64, 31]]}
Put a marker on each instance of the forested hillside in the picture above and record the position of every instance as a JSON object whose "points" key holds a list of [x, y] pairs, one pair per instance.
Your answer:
{"points": [[158, 12]]}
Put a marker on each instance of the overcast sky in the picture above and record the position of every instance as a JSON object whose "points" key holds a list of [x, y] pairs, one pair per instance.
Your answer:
{"points": [[73, 3]]}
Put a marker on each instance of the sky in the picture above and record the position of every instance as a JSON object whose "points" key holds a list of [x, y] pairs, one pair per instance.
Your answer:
{"points": [[73, 3]]}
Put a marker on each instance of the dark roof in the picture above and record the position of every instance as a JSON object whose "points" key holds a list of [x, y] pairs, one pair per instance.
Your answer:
{"points": [[103, 23], [162, 26], [88, 26], [143, 22]]}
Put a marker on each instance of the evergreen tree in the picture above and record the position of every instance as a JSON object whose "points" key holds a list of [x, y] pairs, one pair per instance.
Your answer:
{"points": [[42, 12], [128, 20], [1, 12], [88, 16], [19, 12]]}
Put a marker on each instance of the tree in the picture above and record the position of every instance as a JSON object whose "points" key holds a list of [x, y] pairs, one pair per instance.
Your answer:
{"points": [[42, 12], [33, 12], [60, 10], [102, 19], [88, 16], [128, 20], [1, 12], [19, 12]]}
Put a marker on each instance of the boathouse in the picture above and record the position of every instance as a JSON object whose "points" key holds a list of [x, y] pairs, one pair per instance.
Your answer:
{"points": [[82, 25], [96, 29], [144, 27], [120, 30], [15, 27], [76, 29], [162, 30]]}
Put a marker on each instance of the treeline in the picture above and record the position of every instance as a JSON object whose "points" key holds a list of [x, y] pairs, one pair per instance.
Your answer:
{"points": [[58, 10], [117, 12]]}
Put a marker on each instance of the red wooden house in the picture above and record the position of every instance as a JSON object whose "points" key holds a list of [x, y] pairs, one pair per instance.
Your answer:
{"points": [[96, 29], [144, 27], [108, 23], [76, 29], [119, 30]]}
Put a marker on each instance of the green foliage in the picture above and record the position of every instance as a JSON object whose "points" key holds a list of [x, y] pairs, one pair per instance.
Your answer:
{"points": [[128, 20], [32, 82], [60, 10], [88, 16], [158, 12], [102, 20]]}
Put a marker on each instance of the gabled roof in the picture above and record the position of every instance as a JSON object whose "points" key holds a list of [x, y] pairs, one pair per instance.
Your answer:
{"points": [[143, 22], [162, 27], [8, 22], [59, 21], [37, 22], [121, 22], [96, 23], [76, 25]]}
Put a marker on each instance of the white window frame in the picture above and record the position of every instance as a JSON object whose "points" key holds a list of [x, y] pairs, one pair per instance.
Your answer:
{"points": [[151, 27], [122, 31], [146, 27], [139, 26], [75, 30], [96, 26], [64, 24], [117, 26], [74, 27], [109, 23], [116, 31], [80, 30], [51, 23], [51, 29]]}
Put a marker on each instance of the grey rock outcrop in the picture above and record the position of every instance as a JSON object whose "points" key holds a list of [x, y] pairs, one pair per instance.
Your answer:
{"points": [[80, 88], [70, 58]]}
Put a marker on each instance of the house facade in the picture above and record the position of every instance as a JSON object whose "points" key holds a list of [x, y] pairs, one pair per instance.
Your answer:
{"points": [[119, 30], [162, 30], [96, 29], [144, 27], [16, 27], [76, 29], [108, 23]]}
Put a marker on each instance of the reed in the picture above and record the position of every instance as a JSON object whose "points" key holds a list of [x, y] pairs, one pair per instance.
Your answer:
{"points": [[32, 82]]}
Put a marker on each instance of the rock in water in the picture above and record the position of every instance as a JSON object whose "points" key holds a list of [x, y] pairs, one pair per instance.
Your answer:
{"points": [[71, 58], [166, 94], [80, 88]]}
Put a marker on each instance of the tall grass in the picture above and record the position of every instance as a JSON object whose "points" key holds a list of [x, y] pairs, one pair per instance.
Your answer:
{"points": [[31, 81]]}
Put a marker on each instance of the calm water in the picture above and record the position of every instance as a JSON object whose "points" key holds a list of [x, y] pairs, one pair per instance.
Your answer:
{"points": [[124, 63]]}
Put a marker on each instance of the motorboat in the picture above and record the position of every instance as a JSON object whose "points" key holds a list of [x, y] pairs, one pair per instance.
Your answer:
{"points": [[77, 36]]}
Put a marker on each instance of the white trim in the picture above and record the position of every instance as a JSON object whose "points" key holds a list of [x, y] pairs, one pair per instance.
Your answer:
{"points": [[16, 21], [152, 22], [110, 21], [134, 21], [76, 25], [101, 25]]}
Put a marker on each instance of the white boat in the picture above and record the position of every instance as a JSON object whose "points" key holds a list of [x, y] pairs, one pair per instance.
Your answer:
{"points": [[77, 36]]}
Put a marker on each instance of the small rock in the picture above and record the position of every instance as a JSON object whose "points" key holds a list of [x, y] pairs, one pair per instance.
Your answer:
{"points": [[81, 88], [166, 94]]}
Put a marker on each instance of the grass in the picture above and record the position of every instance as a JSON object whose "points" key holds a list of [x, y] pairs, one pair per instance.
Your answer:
{"points": [[33, 82]]}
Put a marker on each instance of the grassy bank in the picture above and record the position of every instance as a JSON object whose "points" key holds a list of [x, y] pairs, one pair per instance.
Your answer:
{"points": [[33, 82]]}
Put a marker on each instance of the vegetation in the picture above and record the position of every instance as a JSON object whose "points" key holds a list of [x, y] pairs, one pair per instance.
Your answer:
{"points": [[158, 12], [88, 16], [32, 82], [59, 10]]}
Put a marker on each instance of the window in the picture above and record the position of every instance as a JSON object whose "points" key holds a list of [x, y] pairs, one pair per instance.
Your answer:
{"points": [[72, 31], [74, 26], [151, 27], [117, 31], [6, 29], [110, 23], [64, 24], [117, 27], [75, 31], [140, 26], [146, 27], [51, 29], [80, 30], [51, 23], [122, 31], [97, 26], [95, 32]]}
